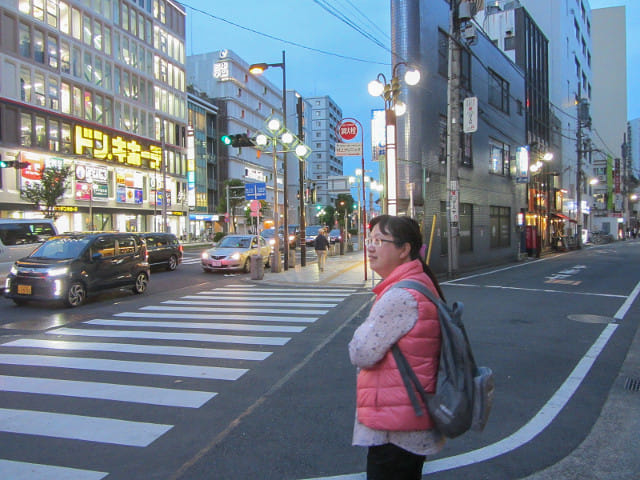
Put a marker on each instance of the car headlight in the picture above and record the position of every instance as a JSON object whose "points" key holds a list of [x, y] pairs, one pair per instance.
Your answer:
{"points": [[235, 256], [205, 255], [13, 270], [58, 272]]}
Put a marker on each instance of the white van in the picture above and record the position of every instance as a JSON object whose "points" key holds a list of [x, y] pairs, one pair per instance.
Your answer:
{"points": [[20, 237]]}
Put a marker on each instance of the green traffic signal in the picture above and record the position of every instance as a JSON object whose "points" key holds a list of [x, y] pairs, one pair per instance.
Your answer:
{"points": [[3, 164], [226, 139]]}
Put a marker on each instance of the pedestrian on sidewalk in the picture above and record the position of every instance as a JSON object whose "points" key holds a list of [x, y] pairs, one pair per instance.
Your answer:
{"points": [[321, 246], [397, 440]]}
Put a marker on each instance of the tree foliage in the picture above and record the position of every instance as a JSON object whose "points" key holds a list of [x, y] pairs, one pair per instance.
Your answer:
{"points": [[49, 190], [236, 198]]}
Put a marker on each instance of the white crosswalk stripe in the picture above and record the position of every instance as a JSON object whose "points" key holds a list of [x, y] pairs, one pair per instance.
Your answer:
{"points": [[140, 348]]}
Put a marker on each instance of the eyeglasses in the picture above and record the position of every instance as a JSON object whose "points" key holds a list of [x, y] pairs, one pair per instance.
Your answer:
{"points": [[376, 242]]}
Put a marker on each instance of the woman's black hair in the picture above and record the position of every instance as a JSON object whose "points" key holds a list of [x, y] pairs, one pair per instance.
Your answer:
{"points": [[405, 230]]}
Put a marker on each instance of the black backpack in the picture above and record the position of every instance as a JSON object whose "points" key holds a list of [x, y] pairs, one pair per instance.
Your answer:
{"points": [[464, 391]]}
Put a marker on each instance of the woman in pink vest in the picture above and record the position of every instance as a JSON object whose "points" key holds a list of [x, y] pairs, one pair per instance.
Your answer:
{"points": [[386, 423]]}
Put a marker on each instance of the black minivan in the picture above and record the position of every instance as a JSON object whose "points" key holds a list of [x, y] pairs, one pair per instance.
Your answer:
{"points": [[163, 249], [68, 267]]}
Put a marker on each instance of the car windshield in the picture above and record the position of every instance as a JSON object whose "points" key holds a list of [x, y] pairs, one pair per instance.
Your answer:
{"points": [[268, 233], [235, 242], [312, 231], [61, 248], [334, 233]]}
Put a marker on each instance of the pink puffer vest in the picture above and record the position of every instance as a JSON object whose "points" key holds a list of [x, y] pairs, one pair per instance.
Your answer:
{"points": [[382, 399]]}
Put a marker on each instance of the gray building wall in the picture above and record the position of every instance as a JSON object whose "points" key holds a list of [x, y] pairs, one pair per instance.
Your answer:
{"points": [[420, 136]]}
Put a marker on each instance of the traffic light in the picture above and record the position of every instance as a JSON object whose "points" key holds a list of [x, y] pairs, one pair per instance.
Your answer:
{"points": [[4, 164], [237, 140]]}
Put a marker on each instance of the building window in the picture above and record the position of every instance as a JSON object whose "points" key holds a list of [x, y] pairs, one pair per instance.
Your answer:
{"points": [[466, 147], [25, 129], [25, 40], [465, 211], [499, 158], [499, 219], [498, 92]]}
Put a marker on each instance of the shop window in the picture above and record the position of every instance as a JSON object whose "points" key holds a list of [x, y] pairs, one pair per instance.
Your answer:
{"points": [[54, 136], [41, 132], [65, 98], [65, 136], [77, 102]]}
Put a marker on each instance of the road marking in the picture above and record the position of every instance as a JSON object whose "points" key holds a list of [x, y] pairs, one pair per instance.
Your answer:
{"points": [[541, 290], [142, 368], [288, 291], [196, 337], [200, 326], [215, 300], [213, 316], [78, 427], [171, 350], [106, 391], [293, 295], [36, 471], [240, 309]]}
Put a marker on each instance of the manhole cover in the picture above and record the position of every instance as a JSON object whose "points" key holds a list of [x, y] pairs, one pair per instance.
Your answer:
{"points": [[588, 318]]}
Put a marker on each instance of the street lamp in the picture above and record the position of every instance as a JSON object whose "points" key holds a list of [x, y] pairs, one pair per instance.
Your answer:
{"points": [[259, 69], [393, 108], [280, 140]]}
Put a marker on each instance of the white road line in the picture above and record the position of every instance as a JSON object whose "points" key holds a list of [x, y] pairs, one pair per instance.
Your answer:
{"points": [[322, 296], [288, 290], [213, 316], [541, 290], [106, 391], [78, 427], [242, 300], [622, 311], [196, 337], [142, 368], [141, 349], [241, 309], [201, 326], [11, 470]]}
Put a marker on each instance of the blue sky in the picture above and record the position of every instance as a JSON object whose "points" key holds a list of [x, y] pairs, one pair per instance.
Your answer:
{"points": [[351, 60]]}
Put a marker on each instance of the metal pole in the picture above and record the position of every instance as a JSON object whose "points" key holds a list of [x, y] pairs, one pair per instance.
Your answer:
{"points": [[164, 178], [301, 174], [579, 180], [284, 166], [453, 141], [275, 264]]}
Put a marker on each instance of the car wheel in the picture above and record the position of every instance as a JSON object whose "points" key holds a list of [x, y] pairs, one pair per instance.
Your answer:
{"points": [[76, 295], [247, 265], [172, 264], [142, 281]]}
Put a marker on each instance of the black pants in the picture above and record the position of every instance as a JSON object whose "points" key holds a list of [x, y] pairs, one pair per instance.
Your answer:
{"points": [[390, 462]]}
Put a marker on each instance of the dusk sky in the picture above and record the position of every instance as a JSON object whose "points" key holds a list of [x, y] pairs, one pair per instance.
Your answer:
{"points": [[325, 56]]}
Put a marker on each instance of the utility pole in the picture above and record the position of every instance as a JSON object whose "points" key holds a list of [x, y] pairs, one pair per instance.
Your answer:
{"points": [[164, 177], [583, 120], [302, 185], [453, 139]]}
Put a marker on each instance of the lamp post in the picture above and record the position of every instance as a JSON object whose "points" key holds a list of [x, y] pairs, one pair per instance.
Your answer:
{"points": [[279, 136], [258, 69], [360, 179], [393, 108]]}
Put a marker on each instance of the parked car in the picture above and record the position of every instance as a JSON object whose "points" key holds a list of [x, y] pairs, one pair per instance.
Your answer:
{"points": [[20, 237], [311, 232], [234, 252], [335, 236], [163, 249], [70, 266], [269, 235]]}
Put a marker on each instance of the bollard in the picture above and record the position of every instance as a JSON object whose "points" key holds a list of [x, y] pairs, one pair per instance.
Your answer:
{"points": [[257, 267], [292, 258]]}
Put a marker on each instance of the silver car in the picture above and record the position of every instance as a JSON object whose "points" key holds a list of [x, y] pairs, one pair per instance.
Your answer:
{"points": [[234, 252]]}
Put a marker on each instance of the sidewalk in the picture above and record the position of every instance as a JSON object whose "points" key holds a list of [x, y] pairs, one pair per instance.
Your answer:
{"points": [[608, 452], [347, 270]]}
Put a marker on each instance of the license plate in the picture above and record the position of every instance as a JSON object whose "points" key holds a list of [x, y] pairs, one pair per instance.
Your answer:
{"points": [[216, 263], [24, 289]]}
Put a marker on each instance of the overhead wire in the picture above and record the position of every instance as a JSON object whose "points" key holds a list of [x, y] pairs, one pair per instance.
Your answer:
{"points": [[290, 42]]}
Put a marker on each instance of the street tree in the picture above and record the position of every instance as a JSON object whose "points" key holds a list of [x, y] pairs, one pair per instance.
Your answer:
{"points": [[49, 189], [236, 199]]}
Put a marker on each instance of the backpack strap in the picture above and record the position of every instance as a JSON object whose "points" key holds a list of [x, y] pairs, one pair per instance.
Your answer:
{"points": [[410, 379]]}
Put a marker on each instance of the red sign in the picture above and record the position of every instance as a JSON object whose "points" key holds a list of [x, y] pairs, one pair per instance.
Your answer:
{"points": [[348, 130]]}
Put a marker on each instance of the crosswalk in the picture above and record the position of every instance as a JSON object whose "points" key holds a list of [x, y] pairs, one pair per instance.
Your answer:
{"points": [[142, 357]]}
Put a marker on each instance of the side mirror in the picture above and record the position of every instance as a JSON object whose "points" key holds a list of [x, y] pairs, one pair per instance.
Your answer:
{"points": [[96, 256]]}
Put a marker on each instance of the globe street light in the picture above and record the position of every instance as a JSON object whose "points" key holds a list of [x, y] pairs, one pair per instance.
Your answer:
{"points": [[279, 137], [259, 69], [393, 108]]}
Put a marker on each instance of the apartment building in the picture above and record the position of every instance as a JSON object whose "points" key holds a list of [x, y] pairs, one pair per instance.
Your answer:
{"points": [[101, 90]]}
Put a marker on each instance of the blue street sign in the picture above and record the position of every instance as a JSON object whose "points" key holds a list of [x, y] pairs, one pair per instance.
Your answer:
{"points": [[255, 191]]}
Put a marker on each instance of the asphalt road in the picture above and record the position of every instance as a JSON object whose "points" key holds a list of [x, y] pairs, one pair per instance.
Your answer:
{"points": [[555, 332]]}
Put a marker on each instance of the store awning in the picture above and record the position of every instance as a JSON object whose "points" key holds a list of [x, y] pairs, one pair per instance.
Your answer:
{"points": [[563, 217]]}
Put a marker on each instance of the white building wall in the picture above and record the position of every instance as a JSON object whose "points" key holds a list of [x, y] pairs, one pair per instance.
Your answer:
{"points": [[609, 107], [634, 144]]}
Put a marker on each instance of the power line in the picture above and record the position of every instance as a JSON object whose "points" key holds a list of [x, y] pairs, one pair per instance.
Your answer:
{"points": [[279, 39]]}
